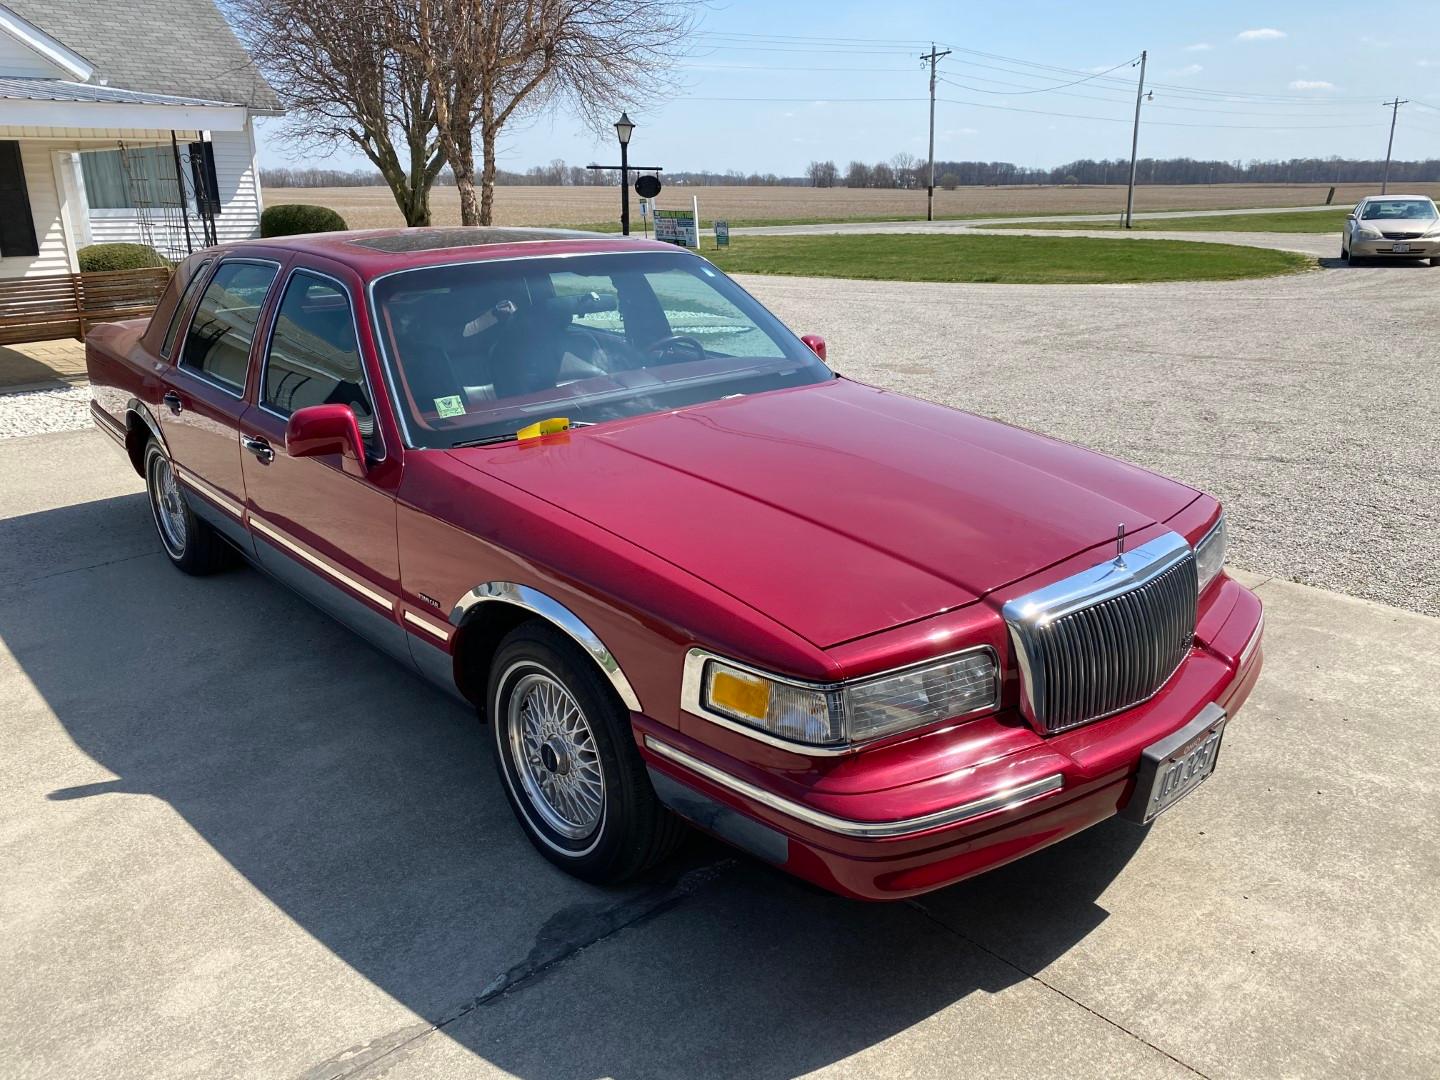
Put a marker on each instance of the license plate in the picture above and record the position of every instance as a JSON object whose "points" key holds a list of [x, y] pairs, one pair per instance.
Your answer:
{"points": [[1401, 249], [1176, 765]]}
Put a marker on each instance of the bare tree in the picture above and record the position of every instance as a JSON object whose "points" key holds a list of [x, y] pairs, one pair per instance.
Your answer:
{"points": [[491, 62], [345, 84], [857, 175], [822, 173], [905, 166]]}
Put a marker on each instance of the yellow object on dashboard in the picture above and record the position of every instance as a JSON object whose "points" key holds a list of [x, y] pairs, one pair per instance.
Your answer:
{"points": [[544, 427]]}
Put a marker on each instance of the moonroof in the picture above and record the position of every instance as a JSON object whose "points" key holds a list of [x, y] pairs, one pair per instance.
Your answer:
{"points": [[474, 236]]}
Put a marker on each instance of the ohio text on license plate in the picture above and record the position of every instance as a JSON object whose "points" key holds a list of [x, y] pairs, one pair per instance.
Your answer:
{"points": [[1176, 765], [1401, 249]]}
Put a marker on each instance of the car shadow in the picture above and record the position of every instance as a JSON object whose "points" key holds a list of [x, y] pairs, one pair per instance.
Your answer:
{"points": [[363, 805]]}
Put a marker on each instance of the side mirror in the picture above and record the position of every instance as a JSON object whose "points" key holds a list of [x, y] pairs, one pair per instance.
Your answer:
{"points": [[816, 344], [320, 430]]}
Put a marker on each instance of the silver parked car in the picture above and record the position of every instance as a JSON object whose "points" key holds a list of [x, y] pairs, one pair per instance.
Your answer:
{"points": [[1392, 226]]}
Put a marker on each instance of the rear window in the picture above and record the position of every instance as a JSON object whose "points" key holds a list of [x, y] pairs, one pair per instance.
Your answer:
{"points": [[478, 350], [217, 344]]}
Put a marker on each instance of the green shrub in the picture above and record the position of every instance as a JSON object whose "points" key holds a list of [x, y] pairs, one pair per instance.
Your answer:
{"points": [[99, 257], [287, 219]]}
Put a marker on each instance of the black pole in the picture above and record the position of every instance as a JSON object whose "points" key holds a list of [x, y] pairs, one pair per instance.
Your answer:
{"points": [[624, 190], [180, 185]]}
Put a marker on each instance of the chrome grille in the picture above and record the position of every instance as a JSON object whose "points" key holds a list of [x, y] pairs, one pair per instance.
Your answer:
{"points": [[1401, 235], [1107, 638]]}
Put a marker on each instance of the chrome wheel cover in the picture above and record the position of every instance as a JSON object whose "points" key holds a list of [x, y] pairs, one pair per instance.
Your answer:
{"points": [[553, 752], [166, 502]]}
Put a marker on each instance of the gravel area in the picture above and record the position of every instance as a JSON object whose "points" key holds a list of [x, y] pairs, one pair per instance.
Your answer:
{"points": [[1307, 403], [36, 412]]}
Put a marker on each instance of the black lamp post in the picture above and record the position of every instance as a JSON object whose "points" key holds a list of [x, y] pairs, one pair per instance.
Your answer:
{"points": [[624, 128]]}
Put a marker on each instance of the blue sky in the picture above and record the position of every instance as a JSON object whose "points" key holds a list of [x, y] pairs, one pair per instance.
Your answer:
{"points": [[1231, 80]]}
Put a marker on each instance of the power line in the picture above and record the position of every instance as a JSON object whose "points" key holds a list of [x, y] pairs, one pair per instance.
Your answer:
{"points": [[1161, 123]]}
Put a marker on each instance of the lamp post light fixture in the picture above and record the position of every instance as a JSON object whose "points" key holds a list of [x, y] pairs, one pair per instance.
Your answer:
{"points": [[624, 128]]}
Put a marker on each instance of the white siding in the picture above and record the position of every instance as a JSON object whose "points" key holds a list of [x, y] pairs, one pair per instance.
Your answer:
{"points": [[239, 217]]}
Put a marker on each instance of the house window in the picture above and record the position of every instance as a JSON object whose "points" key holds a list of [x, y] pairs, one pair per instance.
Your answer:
{"points": [[135, 176], [17, 226]]}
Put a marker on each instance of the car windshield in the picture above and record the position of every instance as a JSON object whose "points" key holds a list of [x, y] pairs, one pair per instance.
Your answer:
{"points": [[476, 351], [1398, 209]]}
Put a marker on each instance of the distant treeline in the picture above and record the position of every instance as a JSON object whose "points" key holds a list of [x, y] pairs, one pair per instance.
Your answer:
{"points": [[907, 171]]}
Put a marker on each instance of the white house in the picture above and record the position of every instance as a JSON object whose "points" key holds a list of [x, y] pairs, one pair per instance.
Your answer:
{"points": [[124, 120]]}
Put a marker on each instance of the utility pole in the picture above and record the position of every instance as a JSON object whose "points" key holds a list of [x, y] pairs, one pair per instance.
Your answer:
{"points": [[1135, 144], [1394, 114], [934, 58]]}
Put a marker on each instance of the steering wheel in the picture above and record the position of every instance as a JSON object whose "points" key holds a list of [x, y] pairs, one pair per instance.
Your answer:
{"points": [[671, 341]]}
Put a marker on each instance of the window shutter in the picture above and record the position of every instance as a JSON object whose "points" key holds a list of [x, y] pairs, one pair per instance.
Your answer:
{"points": [[207, 183], [17, 225]]}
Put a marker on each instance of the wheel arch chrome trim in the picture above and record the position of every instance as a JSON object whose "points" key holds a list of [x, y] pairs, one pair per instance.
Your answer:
{"points": [[1004, 799], [556, 613]]}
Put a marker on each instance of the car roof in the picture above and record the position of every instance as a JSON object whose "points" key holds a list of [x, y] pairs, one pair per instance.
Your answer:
{"points": [[1376, 198], [372, 252]]}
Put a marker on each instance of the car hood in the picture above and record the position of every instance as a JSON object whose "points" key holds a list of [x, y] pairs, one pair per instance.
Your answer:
{"points": [[837, 509]]}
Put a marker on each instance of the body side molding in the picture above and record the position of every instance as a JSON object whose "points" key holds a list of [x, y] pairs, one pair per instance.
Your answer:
{"points": [[550, 609]]}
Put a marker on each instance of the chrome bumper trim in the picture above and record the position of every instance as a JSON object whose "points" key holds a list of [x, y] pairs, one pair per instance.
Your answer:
{"points": [[1248, 653], [865, 830]]}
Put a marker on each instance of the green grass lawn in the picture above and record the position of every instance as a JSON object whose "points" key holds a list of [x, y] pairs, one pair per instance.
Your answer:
{"points": [[1310, 221], [1010, 260]]}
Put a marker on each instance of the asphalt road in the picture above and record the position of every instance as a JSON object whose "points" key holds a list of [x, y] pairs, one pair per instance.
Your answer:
{"points": [[237, 842], [1307, 403]]}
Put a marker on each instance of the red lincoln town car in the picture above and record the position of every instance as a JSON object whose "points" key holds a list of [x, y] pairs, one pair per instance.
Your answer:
{"points": [[682, 568]]}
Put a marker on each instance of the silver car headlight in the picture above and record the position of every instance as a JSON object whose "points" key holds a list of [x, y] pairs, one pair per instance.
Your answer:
{"points": [[1210, 553], [833, 716], [1367, 232]]}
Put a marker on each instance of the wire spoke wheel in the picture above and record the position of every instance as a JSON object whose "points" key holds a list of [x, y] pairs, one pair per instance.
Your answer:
{"points": [[553, 751], [166, 501]]}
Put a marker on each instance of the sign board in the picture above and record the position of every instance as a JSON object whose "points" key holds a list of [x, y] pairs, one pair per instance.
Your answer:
{"points": [[644, 207], [722, 234], [677, 227]]}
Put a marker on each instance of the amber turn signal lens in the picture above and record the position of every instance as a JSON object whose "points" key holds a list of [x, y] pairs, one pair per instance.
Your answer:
{"points": [[739, 693]]}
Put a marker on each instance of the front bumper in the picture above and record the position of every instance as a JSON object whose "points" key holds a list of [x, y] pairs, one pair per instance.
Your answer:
{"points": [[1377, 249], [888, 842]]}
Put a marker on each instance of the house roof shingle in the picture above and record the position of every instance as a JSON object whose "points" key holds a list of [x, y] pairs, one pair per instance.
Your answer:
{"points": [[180, 48], [61, 90]]}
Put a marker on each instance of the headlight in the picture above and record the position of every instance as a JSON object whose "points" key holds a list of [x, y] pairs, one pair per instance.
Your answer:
{"points": [[855, 711], [1210, 553], [1366, 232]]}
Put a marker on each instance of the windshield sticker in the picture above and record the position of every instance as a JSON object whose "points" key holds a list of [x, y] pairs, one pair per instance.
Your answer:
{"points": [[450, 406]]}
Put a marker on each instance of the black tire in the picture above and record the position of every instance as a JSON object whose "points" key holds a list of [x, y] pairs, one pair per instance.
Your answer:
{"points": [[631, 830], [190, 543], [1344, 253]]}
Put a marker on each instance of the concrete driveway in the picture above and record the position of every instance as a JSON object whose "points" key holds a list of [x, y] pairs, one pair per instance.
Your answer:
{"points": [[237, 842]]}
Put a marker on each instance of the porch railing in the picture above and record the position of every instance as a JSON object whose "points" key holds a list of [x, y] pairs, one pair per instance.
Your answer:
{"points": [[53, 306]]}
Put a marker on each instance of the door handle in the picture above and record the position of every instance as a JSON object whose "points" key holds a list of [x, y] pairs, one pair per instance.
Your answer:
{"points": [[259, 447], [173, 402]]}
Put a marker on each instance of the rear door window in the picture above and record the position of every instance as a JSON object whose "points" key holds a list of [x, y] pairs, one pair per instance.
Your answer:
{"points": [[217, 344], [177, 317]]}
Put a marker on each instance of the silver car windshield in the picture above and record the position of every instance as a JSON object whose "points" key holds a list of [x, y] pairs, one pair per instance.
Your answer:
{"points": [[1397, 209], [476, 351]]}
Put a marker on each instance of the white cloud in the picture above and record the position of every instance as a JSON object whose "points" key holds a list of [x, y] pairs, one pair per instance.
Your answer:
{"points": [[1199, 46], [1188, 69], [1265, 33], [1311, 84], [1426, 63]]}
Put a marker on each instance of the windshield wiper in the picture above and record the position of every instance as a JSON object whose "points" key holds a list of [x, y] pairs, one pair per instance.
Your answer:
{"points": [[509, 436]]}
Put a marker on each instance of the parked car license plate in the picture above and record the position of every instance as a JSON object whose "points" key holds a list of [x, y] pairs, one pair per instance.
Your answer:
{"points": [[1401, 249], [1176, 765]]}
